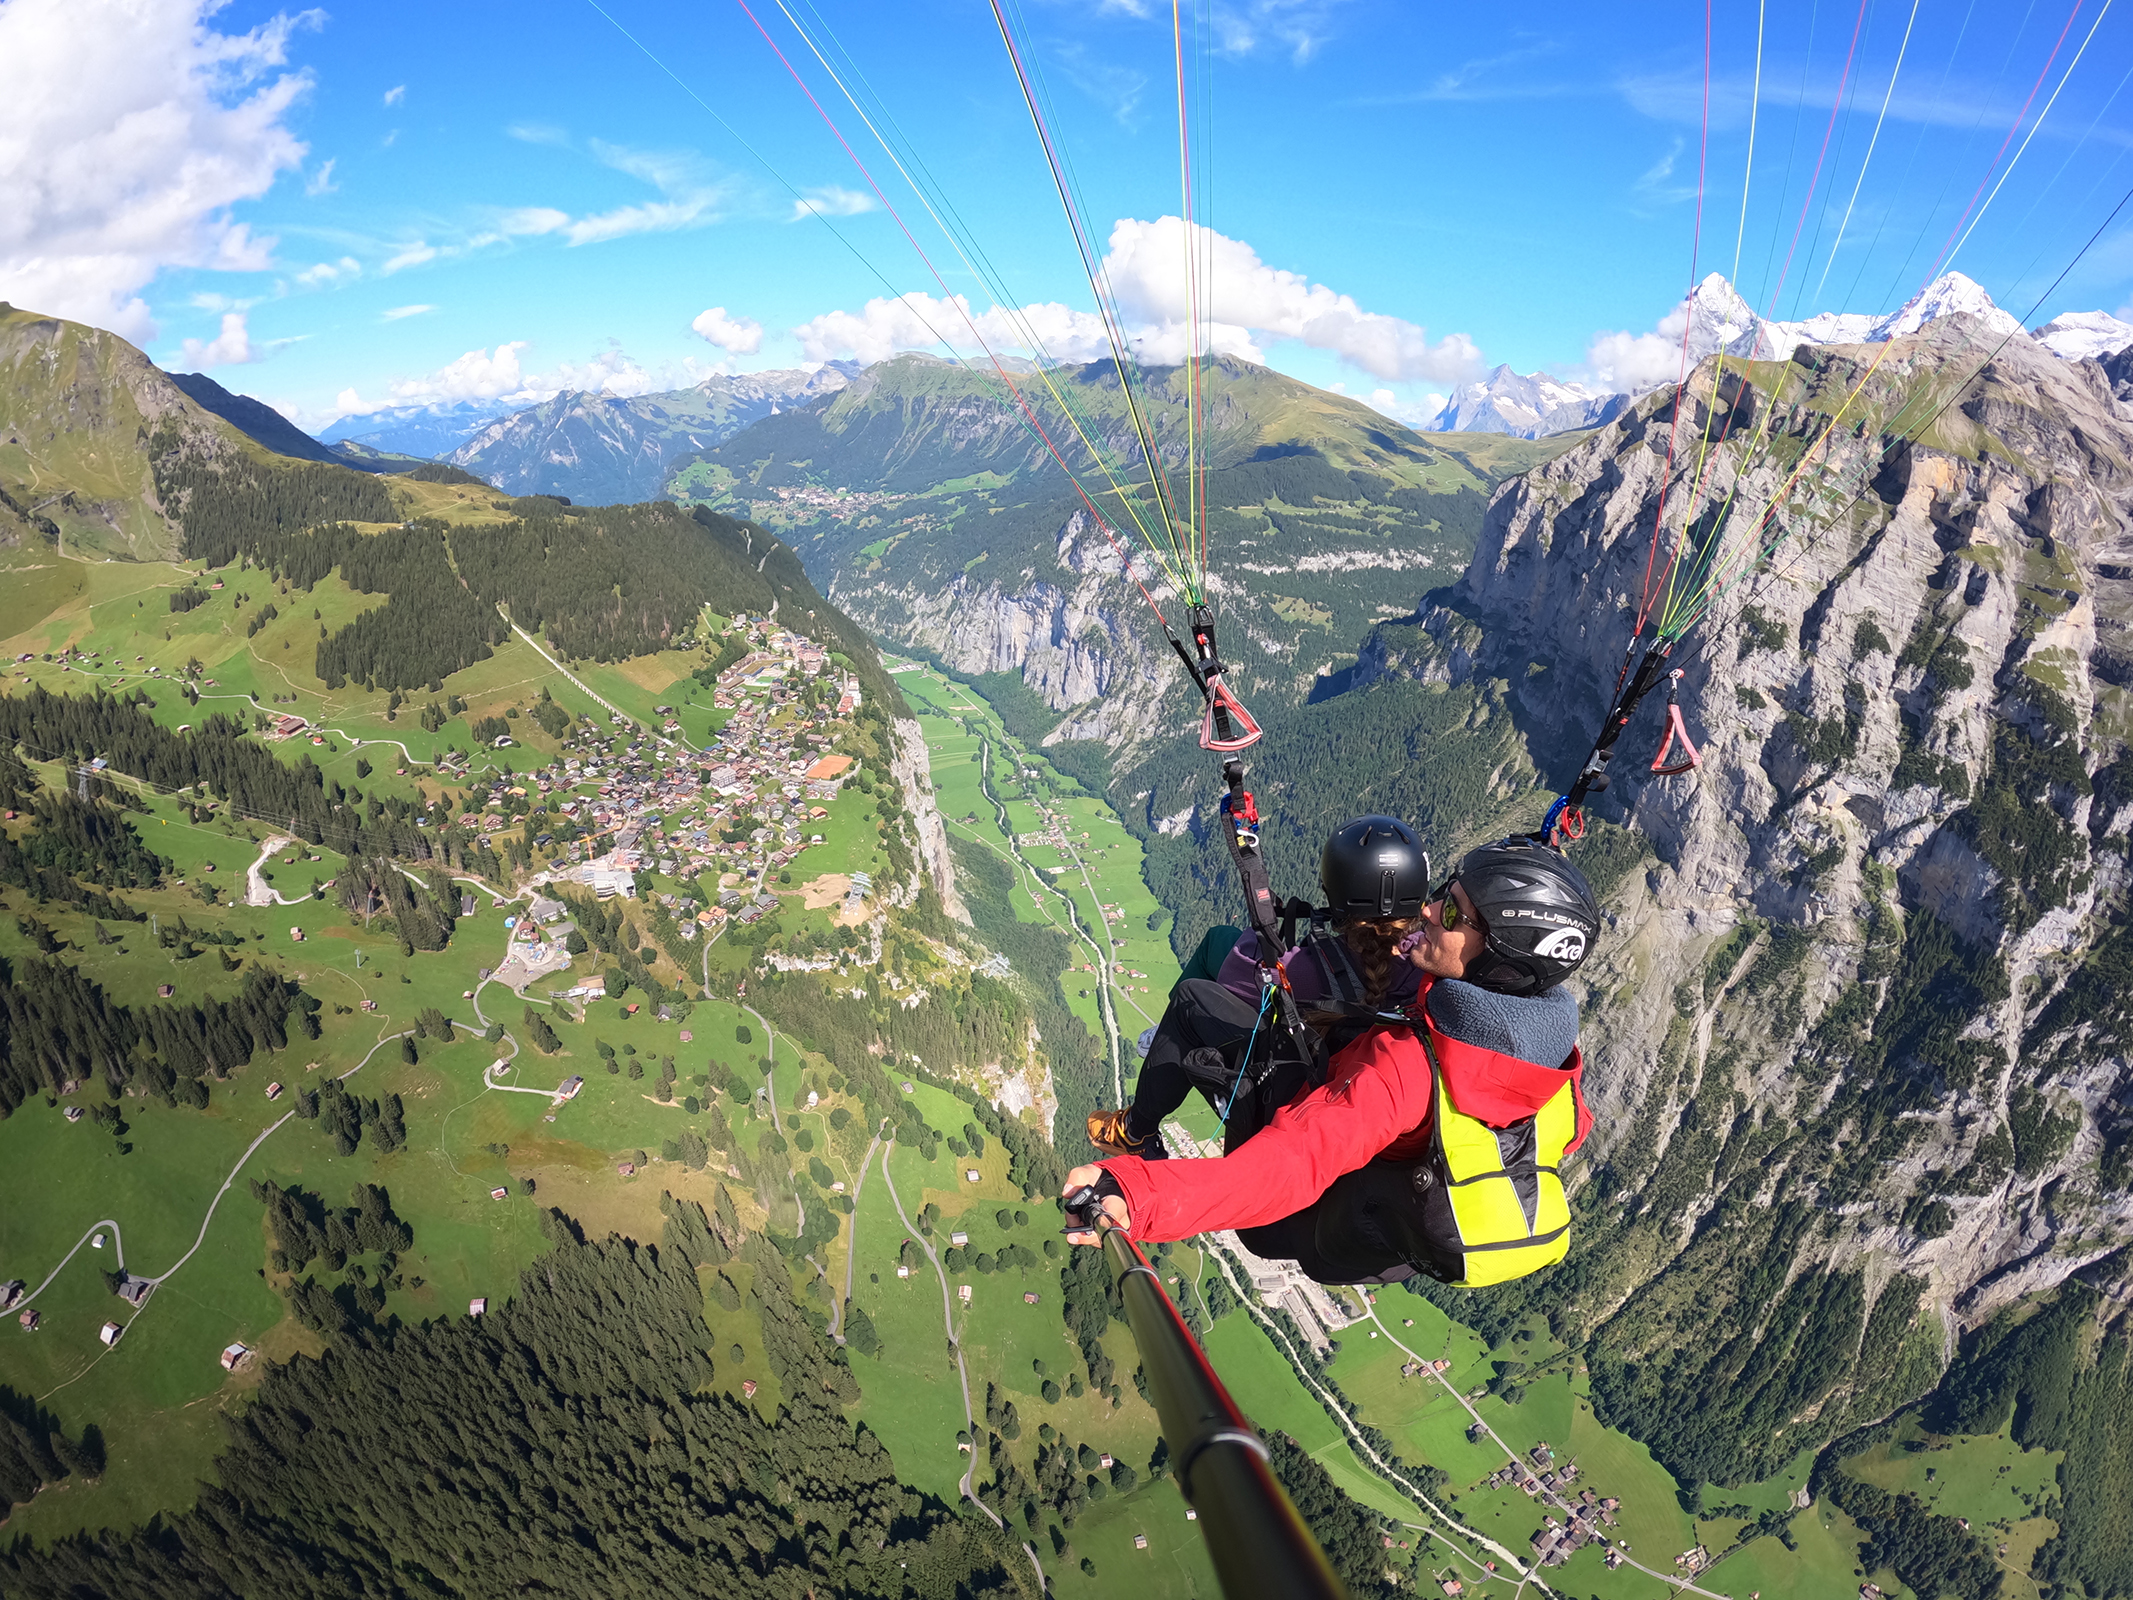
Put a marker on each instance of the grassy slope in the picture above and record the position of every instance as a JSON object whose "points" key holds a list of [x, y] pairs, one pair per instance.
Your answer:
{"points": [[157, 1392]]}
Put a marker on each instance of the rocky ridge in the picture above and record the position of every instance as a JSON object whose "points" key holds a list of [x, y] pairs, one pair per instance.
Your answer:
{"points": [[599, 449], [1913, 720]]}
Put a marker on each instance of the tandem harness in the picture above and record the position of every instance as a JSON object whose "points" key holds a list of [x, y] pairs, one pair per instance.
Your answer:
{"points": [[1482, 1202]]}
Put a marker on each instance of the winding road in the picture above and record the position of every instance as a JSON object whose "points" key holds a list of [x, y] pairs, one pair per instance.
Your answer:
{"points": [[967, 1485], [1549, 1495], [158, 1279], [1106, 961]]}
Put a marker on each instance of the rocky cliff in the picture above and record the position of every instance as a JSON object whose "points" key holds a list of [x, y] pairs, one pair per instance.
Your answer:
{"points": [[1859, 1023]]}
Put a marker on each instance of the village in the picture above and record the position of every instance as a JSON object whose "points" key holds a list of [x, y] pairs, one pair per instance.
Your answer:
{"points": [[730, 818]]}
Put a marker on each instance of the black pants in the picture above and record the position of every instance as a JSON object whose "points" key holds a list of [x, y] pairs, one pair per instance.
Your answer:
{"points": [[1205, 1015], [1202, 1016]]}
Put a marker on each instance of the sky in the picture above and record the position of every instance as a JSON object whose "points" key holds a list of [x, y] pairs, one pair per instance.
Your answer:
{"points": [[341, 209]]}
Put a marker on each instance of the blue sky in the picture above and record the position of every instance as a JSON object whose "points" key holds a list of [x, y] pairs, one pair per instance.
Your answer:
{"points": [[334, 209]]}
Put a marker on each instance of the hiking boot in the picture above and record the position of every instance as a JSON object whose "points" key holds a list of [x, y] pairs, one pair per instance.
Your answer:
{"points": [[1109, 1133]]}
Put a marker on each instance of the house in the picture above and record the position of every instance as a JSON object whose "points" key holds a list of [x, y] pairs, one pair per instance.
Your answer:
{"points": [[1029, 1297], [628, 1169], [73, 1113], [1104, 1461], [296, 936], [109, 1333], [546, 910], [478, 1305], [973, 1175], [165, 990], [570, 1088], [748, 1387], [10, 1292], [466, 905], [962, 1293], [498, 1194], [133, 1290], [232, 1354], [29, 1319], [959, 1237], [273, 1091], [903, 1272], [1140, 1541]]}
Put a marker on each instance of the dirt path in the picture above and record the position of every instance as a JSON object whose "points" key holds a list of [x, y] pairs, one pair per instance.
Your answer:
{"points": [[171, 1271], [968, 1484], [257, 892]]}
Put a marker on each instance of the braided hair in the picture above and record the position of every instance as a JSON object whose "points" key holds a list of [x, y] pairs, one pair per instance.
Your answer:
{"points": [[1373, 944]]}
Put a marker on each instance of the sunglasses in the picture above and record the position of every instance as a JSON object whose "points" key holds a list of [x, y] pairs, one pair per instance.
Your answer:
{"points": [[1449, 915]]}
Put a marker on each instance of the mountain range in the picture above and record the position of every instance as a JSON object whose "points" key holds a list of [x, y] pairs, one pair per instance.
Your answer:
{"points": [[601, 448], [1719, 320]]}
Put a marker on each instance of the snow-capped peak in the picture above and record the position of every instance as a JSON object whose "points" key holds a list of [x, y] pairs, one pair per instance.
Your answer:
{"points": [[1950, 294], [2084, 335]]}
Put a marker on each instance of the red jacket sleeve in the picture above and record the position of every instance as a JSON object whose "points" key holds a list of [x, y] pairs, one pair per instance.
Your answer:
{"points": [[1377, 1089]]}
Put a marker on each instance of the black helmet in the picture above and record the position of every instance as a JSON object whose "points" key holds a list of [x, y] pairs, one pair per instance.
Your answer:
{"points": [[1375, 867], [1538, 914]]}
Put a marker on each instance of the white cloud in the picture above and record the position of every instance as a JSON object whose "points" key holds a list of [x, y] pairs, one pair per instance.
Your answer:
{"points": [[1249, 302], [533, 219], [687, 199], [328, 273], [206, 300], [1117, 89], [398, 313], [1147, 272], [321, 181], [537, 133], [1297, 26], [127, 133], [396, 94], [500, 374], [1618, 363], [417, 254], [737, 335], [831, 201], [231, 347], [921, 322], [654, 216]]}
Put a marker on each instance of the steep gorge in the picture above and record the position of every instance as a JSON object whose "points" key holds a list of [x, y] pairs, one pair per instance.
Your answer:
{"points": [[1857, 1032]]}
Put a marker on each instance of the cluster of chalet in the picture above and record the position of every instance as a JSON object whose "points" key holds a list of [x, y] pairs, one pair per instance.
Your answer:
{"points": [[667, 810], [1584, 1510]]}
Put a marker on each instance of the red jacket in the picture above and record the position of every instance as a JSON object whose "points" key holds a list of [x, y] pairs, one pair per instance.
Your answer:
{"points": [[1375, 1102]]}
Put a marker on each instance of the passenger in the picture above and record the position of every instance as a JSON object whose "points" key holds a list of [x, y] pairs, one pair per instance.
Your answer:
{"points": [[1349, 1179]]}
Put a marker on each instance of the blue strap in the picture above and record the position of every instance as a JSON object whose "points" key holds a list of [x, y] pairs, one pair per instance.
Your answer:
{"points": [[1266, 994]]}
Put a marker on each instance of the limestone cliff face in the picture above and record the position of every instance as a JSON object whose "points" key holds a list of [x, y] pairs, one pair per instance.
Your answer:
{"points": [[1068, 634], [912, 770], [1865, 967]]}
